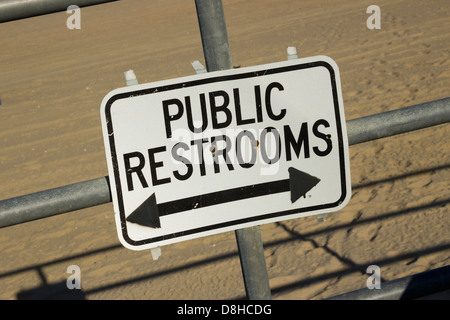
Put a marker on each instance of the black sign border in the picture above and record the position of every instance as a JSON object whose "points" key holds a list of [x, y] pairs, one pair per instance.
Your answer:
{"points": [[213, 79]]}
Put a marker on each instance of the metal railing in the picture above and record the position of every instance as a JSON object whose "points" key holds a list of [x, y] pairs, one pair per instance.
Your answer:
{"points": [[95, 192], [411, 287], [20, 9], [217, 57]]}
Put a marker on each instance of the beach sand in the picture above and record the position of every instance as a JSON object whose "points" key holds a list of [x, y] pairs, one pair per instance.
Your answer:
{"points": [[52, 81]]}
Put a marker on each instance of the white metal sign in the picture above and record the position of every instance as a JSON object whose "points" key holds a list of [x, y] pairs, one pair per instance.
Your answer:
{"points": [[219, 151]]}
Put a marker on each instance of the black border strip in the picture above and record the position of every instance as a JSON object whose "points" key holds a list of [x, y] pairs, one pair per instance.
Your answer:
{"points": [[213, 79]]}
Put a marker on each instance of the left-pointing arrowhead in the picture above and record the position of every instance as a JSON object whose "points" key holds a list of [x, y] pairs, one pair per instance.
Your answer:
{"points": [[300, 183], [147, 214]]}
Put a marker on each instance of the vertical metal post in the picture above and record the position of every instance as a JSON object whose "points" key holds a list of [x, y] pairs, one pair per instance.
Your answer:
{"points": [[253, 263], [213, 31], [216, 50]]}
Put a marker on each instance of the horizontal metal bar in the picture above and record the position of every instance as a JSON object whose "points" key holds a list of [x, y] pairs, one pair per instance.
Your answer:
{"points": [[411, 287], [19, 9], [398, 121], [51, 202], [97, 191]]}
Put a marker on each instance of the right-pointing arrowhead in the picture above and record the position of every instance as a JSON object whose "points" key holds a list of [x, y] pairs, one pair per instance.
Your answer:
{"points": [[147, 214], [300, 183]]}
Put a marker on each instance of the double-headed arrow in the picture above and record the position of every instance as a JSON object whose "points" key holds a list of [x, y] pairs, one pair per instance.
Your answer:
{"points": [[148, 213]]}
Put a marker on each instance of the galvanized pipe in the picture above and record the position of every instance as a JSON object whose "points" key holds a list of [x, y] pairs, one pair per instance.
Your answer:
{"points": [[51, 202], [411, 287], [253, 263], [213, 30], [398, 121], [97, 191], [19, 9]]}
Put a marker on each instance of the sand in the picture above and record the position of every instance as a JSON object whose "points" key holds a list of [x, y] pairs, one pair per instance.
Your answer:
{"points": [[52, 81]]}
